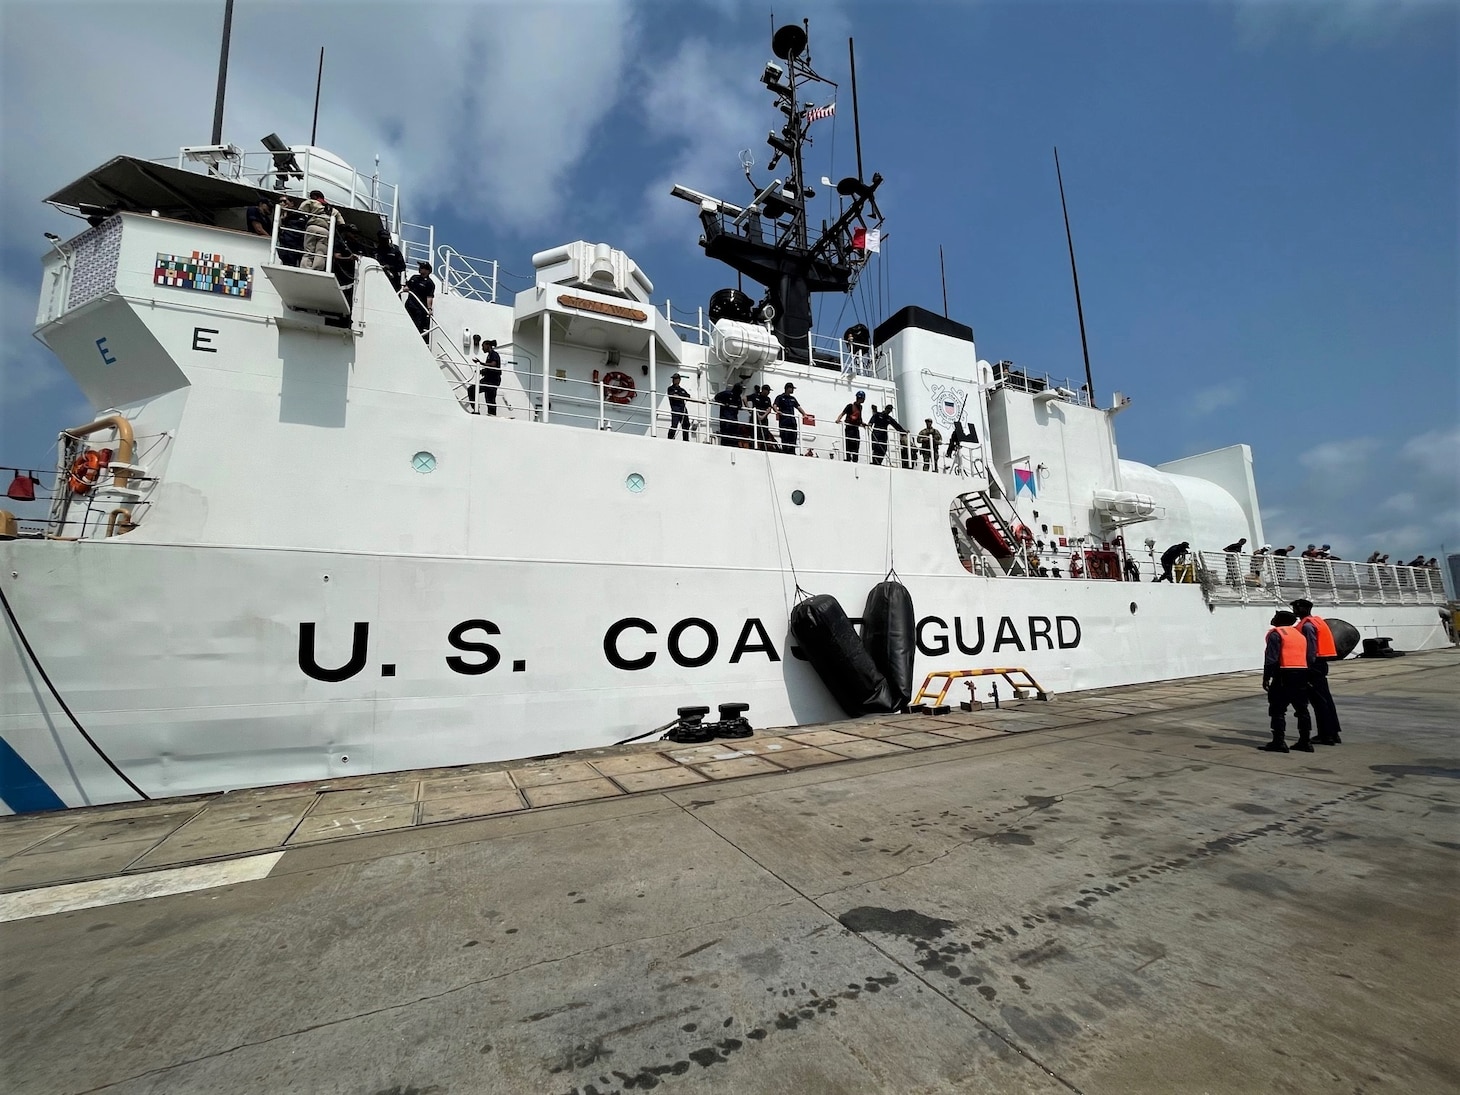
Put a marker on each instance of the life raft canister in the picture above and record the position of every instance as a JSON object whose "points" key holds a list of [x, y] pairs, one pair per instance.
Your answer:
{"points": [[86, 468], [618, 387]]}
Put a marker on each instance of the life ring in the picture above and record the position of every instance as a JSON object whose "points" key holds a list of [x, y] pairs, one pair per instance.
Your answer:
{"points": [[84, 471], [618, 387], [1023, 534]]}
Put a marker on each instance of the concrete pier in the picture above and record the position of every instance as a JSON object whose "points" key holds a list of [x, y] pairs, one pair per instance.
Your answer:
{"points": [[1110, 892]]}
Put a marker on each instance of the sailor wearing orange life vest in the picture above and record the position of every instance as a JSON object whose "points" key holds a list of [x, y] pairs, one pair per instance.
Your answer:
{"points": [[1325, 715], [1287, 665]]}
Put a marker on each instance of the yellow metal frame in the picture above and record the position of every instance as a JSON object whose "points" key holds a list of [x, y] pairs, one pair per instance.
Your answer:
{"points": [[951, 675]]}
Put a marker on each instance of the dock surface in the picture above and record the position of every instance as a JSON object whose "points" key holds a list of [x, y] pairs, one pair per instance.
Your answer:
{"points": [[1111, 892]]}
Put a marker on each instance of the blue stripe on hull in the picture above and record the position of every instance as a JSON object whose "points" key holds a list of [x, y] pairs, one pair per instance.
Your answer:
{"points": [[21, 787]]}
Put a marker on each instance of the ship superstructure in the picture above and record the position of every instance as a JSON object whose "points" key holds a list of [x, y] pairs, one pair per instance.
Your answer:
{"points": [[286, 548]]}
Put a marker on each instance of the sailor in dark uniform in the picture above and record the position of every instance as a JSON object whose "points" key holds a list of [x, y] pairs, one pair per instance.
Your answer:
{"points": [[759, 401], [489, 377], [880, 421], [787, 408], [678, 415]]}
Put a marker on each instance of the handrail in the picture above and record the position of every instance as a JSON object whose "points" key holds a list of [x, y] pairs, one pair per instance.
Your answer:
{"points": [[950, 675], [466, 280], [1247, 578]]}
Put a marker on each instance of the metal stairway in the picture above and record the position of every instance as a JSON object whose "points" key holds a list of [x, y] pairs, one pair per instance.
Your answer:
{"points": [[979, 506]]}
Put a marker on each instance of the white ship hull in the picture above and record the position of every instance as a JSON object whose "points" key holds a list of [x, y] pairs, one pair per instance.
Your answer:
{"points": [[185, 666]]}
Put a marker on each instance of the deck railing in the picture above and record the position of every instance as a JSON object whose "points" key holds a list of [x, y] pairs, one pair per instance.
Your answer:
{"points": [[1233, 578]]}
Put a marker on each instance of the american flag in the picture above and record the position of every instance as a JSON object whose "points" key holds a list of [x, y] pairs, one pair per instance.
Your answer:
{"points": [[818, 112]]}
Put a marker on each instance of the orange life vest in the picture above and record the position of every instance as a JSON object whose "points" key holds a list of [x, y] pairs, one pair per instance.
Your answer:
{"points": [[1326, 649], [1295, 648]]}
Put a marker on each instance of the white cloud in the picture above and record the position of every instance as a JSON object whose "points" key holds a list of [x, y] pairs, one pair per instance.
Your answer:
{"points": [[1338, 457], [484, 105], [705, 103], [1216, 398], [1437, 453]]}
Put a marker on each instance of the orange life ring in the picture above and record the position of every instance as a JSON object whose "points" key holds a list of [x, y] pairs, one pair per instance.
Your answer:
{"points": [[1022, 533], [618, 387], [84, 471]]}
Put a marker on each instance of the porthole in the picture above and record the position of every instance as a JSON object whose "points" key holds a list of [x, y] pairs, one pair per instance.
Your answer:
{"points": [[798, 498], [635, 483], [1132, 608], [424, 462]]}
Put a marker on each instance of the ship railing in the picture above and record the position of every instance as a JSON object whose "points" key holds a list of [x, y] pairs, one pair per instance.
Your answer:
{"points": [[1242, 578], [1007, 375], [464, 276], [698, 329], [587, 404], [417, 245], [290, 172]]}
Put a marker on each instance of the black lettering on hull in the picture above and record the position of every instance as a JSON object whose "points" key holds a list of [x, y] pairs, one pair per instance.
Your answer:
{"points": [[958, 636], [1039, 629], [491, 656], [743, 645], [1007, 635], [1067, 644], [359, 649], [611, 638], [693, 661]]}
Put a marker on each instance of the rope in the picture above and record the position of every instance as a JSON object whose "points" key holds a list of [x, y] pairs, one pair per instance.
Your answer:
{"points": [[4, 600], [783, 536]]}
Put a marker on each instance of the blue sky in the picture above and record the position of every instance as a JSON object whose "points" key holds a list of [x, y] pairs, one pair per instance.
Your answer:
{"points": [[1263, 194]]}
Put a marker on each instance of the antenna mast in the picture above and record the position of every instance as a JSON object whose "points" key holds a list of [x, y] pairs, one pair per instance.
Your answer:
{"points": [[1075, 274], [222, 72], [769, 240], [318, 82]]}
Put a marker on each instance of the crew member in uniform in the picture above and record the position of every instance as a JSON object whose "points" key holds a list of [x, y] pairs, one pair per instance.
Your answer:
{"points": [[787, 408], [1287, 669], [1325, 714], [852, 414], [678, 415], [1169, 559], [759, 401], [880, 421], [731, 400], [489, 377], [421, 299]]}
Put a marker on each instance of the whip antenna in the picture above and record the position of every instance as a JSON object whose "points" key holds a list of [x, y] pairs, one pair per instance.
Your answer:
{"points": [[1075, 274]]}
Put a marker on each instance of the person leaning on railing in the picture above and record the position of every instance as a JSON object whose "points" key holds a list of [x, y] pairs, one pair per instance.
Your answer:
{"points": [[787, 408], [316, 235]]}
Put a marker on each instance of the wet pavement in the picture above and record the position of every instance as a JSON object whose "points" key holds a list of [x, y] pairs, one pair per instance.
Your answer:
{"points": [[1110, 892]]}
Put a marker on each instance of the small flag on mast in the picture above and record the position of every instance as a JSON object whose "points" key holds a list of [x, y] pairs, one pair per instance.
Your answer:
{"points": [[818, 112], [867, 239]]}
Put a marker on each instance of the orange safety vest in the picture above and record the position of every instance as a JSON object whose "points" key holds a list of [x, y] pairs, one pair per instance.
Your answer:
{"points": [[1295, 648], [1326, 649]]}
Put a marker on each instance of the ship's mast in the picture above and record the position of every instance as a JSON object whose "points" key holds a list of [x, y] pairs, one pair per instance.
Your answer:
{"points": [[770, 240]]}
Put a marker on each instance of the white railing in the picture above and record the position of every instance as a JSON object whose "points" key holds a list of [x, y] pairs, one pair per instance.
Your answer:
{"points": [[304, 172], [1007, 375], [1229, 577], [463, 276], [417, 244]]}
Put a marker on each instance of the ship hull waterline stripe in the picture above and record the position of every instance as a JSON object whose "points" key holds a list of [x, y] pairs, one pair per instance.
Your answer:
{"points": [[49, 900]]}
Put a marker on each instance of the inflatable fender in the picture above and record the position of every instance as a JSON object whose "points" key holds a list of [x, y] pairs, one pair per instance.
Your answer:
{"points": [[1345, 636], [834, 649], [889, 634]]}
